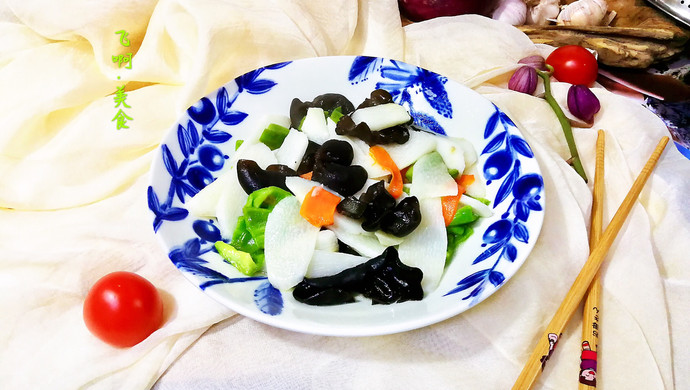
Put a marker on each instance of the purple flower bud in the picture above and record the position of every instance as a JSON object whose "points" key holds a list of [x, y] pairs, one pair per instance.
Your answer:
{"points": [[524, 80], [536, 62], [583, 103]]}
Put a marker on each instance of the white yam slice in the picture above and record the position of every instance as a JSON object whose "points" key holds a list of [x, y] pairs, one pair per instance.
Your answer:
{"points": [[326, 263], [251, 138], [260, 153], [452, 153], [419, 144], [366, 245], [478, 188], [233, 197], [425, 247], [430, 178], [327, 241], [351, 233], [203, 204], [230, 203], [343, 224], [330, 125], [468, 149], [314, 125], [479, 208], [281, 120], [387, 239], [293, 148], [288, 244], [300, 187], [381, 116], [364, 159]]}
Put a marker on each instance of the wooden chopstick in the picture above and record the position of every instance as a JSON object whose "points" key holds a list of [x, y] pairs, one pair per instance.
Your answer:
{"points": [[547, 342], [592, 310]]}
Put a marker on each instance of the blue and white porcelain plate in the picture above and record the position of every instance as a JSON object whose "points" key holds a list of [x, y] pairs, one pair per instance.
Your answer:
{"points": [[200, 144]]}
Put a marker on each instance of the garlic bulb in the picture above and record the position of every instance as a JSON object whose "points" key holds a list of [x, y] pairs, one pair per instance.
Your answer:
{"points": [[513, 12], [583, 13], [543, 12]]}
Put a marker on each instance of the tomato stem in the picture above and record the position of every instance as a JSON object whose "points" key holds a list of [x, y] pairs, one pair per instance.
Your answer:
{"points": [[565, 123]]}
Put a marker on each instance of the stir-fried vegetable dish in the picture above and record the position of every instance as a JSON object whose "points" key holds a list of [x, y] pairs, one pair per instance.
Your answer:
{"points": [[337, 203]]}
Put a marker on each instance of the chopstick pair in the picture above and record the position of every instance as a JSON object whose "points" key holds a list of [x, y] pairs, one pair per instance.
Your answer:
{"points": [[546, 344]]}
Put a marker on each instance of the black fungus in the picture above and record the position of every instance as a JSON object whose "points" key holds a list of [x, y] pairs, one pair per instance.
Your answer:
{"points": [[252, 177], [383, 279], [328, 102], [351, 207], [322, 296], [298, 110], [397, 134], [379, 202], [282, 169], [335, 151], [345, 180], [376, 97], [404, 219], [391, 281], [331, 101], [346, 126], [381, 211], [332, 168], [393, 135]]}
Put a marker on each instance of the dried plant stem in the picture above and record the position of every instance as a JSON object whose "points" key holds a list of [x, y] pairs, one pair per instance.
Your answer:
{"points": [[565, 124]]}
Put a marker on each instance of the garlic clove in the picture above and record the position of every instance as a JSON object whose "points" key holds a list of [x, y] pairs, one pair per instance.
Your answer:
{"points": [[513, 12], [543, 13], [583, 13]]}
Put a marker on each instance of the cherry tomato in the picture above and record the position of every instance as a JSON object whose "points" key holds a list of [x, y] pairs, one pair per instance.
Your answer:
{"points": [[573, 64], [122, 309]]}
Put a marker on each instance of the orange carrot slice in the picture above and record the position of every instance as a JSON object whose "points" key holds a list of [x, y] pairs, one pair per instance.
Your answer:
{"points": [[381, 157], [318, 206], [466, 180], [449, 204], [306, 175]]}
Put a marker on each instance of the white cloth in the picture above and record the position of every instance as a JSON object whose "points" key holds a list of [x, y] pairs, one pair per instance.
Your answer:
{"points": [[73, 207]]}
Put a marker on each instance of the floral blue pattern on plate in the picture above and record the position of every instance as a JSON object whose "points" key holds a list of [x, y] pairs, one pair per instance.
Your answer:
{"points": [[198, 147]]}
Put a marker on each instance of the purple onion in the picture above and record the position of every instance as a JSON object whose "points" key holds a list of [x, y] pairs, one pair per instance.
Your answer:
{"points": [[536, 62], [523, 80], [583, 103]]}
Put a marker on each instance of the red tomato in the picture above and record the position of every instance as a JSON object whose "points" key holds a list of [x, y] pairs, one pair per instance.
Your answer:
{"points": [[573, 64], [122, 309]]}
